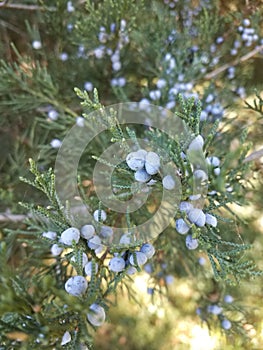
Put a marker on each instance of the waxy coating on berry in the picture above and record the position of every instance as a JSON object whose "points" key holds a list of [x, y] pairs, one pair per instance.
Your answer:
{"points": [[97, 315], [69, 236], [148, 250], [76, 285], [117, 264], [191, 243], [181, 226], [140, 257]]}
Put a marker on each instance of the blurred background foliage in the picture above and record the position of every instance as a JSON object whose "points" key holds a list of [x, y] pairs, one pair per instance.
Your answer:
{"points": [[50, 47]]}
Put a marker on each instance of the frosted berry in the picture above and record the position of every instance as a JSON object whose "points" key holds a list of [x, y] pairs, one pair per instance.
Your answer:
{"points": [[200, 175], [66, 338], [106, 231], [210, 220], [78, 257], [56, 250], [140, 257], [191, 243], [88, 268], [185, 206], [197, 144], [148, 250], [226, 324], [69, 236], [125, 239], [94, 243], [168, 182], [152, 163], [99, 215], [181, 226], [196, 216], [117, 264], [87, 231], [76, 285], [142, 176], [97, 315], [136, 160], [228, 299], [50, 235]]}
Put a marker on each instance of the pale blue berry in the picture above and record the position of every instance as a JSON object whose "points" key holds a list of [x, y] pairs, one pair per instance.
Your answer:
{"points": [[201, 175], [228, 299], [181, 226], [56, 250], [94, 243], [136, 160], [197, 217], [168, 182], [87, 231], [214, 161], [185, 206], [55, 143], [214, 309], [106, 231], [69, 236], [99, 215], [76, 285], [50, 235], [141, 259], [117, 264], [148, 250], [66, 338], [210, 220], [78, 257], [97, 315], [152, 163], [88, 268], [125, 239], [142, 176], [197, 144], [226, 324], [191, 243], [131, 270]]}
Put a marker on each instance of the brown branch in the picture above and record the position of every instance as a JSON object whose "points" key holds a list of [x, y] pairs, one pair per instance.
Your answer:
{"points": [[244, 58]]}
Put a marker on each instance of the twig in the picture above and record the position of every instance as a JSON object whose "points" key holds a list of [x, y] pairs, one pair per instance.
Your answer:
{"points": [[6, 217], [6, 5], [234, 63], [253, 156]]}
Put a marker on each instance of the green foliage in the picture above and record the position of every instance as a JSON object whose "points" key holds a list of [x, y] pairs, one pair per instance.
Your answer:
{"points": [[177, 55]]}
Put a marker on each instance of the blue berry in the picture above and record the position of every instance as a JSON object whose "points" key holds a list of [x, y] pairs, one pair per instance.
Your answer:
{"points": [[87, 231], [168, 182], [117, 264], [197, 144], [197, 217], [210, 220], [69, 236], [136, 160], [140, 257], [226, 324], [76, 285], [191, 243], [152, 163], [97, 315], [181, 226], [99, 215], [88, 268], [148, 250], [142, 175]]}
